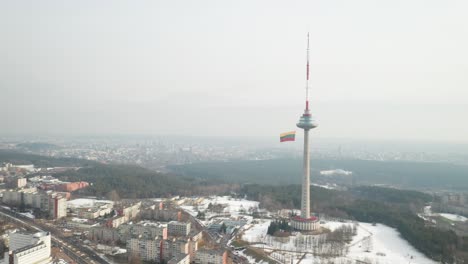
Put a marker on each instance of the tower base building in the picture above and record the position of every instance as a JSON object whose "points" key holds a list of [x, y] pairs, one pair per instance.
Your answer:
{"points": [[305, 224]]}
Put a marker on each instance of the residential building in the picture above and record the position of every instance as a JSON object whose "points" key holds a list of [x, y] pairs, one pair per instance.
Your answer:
{"points": [[16, 182], [71, 186], [57, 206], [156, 249], [130, 211], [176, 228], [51, 202], [211, 256], [146, 249], [179, 259]]}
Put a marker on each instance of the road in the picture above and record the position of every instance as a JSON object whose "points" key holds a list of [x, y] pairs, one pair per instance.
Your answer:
{"points": [[76, 251]]}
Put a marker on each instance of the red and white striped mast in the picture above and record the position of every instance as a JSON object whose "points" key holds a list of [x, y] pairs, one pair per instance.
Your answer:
{"points": [[307, 77]]}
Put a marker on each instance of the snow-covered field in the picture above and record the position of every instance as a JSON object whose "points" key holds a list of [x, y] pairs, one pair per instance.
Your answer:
{"points": [[335, 172], [232, 206], [454, 217], [383, 243], [387, 246], [85, 202], [371, 244], [256, 232]]}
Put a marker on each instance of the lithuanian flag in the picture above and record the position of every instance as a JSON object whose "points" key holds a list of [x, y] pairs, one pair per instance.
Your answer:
{"points": [[288, 136]]}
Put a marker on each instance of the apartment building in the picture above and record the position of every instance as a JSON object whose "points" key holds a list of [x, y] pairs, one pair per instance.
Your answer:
{"points": [[211, 256], [176, 228]]}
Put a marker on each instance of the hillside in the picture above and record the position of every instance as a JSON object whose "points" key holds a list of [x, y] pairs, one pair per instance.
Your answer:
{"points": [[17, 157], [405, 174], [127, 181], [133, 182]]}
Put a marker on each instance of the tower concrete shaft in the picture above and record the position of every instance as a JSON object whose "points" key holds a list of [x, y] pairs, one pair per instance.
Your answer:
{"points": [[307, 123], [305, 203]]}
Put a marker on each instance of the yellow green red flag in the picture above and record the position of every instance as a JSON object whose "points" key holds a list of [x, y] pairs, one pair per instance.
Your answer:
{"points": [[288, 136]]}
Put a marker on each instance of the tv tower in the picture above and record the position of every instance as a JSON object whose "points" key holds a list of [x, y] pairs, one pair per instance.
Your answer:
{"points": [[305, 222]]}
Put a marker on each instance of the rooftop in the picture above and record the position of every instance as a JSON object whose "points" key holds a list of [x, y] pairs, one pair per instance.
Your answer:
{"points": [[310, 219]]}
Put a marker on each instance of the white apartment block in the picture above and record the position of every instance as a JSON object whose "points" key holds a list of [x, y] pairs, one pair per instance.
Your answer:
{"points": [[28, 249], [93, 210]]}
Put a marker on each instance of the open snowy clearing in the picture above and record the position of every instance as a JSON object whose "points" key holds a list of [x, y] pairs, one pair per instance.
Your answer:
{"points": [[85, 202], [454, 217], [374, 244], [232, 206]]}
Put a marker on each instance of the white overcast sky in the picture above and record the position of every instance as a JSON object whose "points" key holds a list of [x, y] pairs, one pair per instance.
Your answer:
{"points": [[380, 69]]}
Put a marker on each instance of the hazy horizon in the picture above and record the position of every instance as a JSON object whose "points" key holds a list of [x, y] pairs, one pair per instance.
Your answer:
{"points": [[385, 70]]}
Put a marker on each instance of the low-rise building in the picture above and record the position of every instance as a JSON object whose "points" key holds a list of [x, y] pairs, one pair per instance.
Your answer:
{"points": [[79, 225], [27, 248], [94, 212], [125, 232], [71, 186]]}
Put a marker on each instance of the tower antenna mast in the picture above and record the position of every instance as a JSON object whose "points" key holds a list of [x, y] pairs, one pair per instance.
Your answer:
{"points": [[307, 75]]}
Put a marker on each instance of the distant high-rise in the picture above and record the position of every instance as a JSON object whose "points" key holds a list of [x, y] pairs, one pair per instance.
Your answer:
{"points": [[305, 221]]}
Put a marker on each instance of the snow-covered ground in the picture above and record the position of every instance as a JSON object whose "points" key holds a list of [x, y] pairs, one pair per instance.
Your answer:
{"points": [[79, 220], [387, 246], [454, 217], [372, 243], [110, 250], [28, 215], [85, 202], [326, 186], [335, 172], [232, 206], [256, 232], [383, 243]]}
